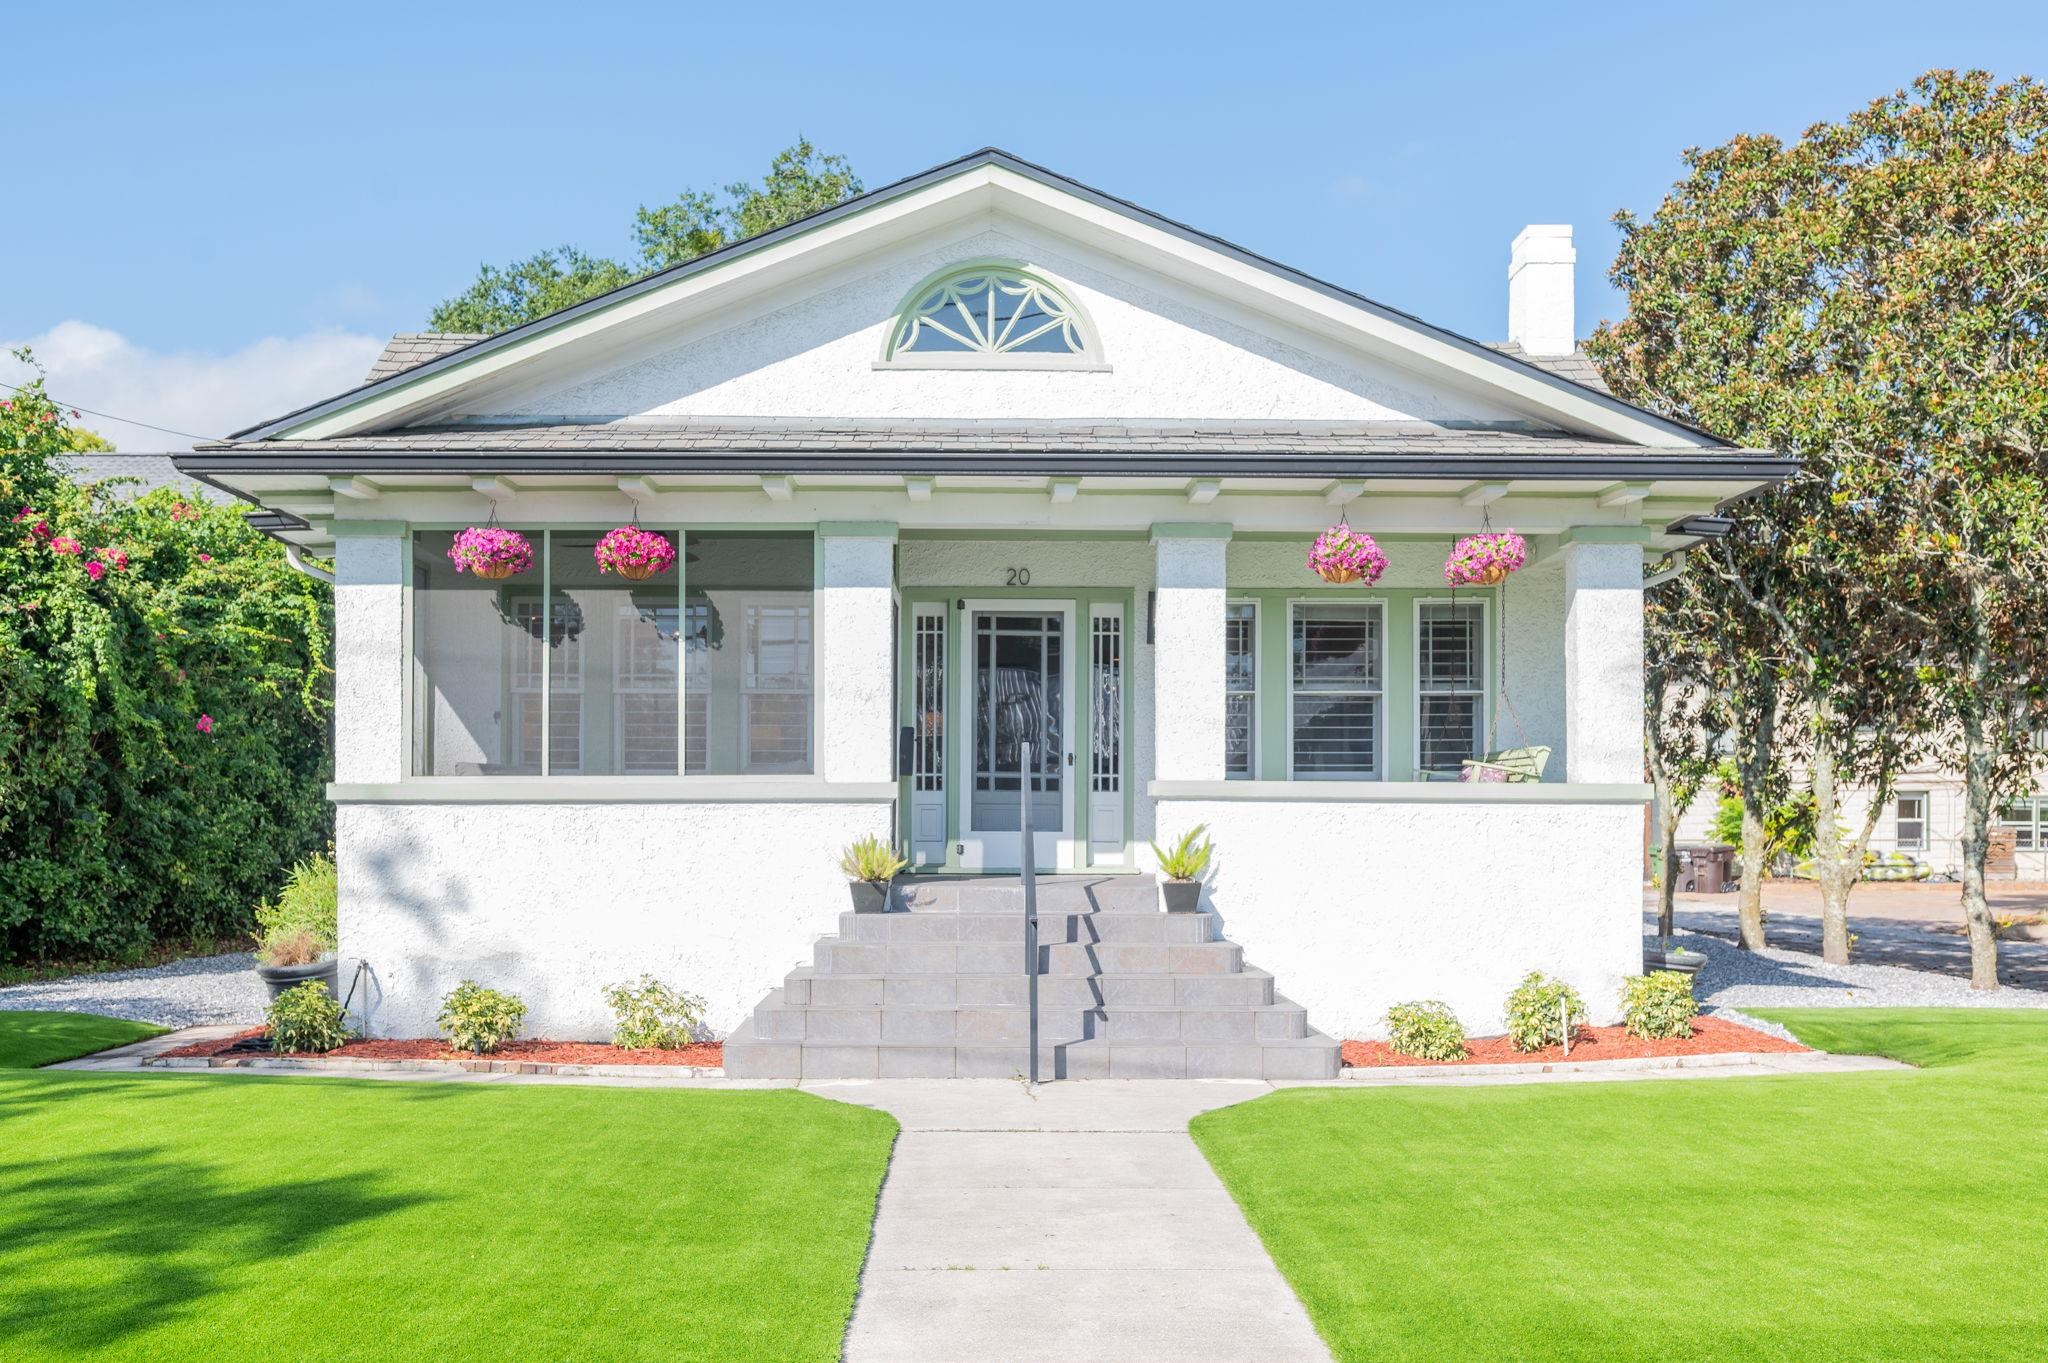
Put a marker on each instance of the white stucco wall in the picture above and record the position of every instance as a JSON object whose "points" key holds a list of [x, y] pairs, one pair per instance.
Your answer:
{"points": [[856, 603], [1603, 661], [1171, 351], [1186, 702], [1355, 905], [555, 901], [369, 655]]}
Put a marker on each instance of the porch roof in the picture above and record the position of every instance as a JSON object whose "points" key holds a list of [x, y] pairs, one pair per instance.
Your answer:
{"points": [[1164, 448]]}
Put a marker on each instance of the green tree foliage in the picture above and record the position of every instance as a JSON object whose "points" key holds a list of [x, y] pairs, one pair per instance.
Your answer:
{"points": [[544, 282], [1872, 297], [164, 691], [800, 181]]}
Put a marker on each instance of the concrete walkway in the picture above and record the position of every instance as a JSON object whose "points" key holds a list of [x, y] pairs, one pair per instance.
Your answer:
{"points": [[1074, 1223]]}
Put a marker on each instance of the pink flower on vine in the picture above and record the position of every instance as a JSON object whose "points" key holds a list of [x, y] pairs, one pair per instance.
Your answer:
{"points": [[206, 558], [24, 514], [119, 558], [64, 544], [205, 724], [95, 570]]}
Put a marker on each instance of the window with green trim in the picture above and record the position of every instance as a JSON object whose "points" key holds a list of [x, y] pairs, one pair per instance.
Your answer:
{"points": [[1336, 681], [1450, 701]]}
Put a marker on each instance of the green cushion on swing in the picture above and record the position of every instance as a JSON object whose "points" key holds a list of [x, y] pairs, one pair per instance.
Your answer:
{"points": [[1509, 764]]}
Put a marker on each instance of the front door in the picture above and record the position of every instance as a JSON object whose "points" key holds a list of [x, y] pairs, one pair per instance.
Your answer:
{"points": [[1020, 698]]}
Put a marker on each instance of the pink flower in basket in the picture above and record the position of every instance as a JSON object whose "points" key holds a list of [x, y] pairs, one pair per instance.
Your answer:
{"points": [[490, 552], [1341, 554], [1485, 559], [634, 553]]}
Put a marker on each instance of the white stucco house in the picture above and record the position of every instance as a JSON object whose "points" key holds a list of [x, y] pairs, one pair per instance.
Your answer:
{"points": [[981, 457]]}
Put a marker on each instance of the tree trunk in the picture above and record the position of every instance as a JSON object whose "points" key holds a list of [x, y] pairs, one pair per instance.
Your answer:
{"points": [[1753, 763], [1837, 864], [1667, 887], [1976, 841], [1667, 835]]}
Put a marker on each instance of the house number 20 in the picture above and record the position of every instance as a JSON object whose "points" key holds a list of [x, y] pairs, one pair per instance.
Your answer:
{"points": [[1016, 577]]}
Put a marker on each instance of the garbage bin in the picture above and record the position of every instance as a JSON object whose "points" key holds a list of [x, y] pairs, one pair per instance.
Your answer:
{"points": [[1706, 868]]}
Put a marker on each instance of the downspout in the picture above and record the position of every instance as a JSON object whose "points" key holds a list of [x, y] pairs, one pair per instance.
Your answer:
{"points": [[296, 557]]}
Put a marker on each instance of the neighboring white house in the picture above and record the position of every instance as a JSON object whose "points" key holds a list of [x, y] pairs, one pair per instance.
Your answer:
{"points": [[1924, 820], [981, 457]]}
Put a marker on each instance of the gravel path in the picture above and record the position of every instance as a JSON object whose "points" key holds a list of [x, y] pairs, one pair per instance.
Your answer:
{"points": [[1792, 979], [189, 993]]}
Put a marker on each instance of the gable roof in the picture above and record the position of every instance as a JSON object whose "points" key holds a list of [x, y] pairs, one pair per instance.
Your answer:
{"points": [[1509, 369], [411, 349]]}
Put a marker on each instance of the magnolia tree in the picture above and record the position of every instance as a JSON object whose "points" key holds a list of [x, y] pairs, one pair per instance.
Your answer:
{"points": [[1871, 297], [1679, 712]]}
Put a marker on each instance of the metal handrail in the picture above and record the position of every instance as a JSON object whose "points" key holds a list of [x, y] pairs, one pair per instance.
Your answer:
{"points": [[1029, 856]]}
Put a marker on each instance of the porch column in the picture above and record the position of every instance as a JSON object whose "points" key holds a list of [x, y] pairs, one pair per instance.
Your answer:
{"points": [[1187, 651], [1603, 661], [369, 651], [856, 665]]}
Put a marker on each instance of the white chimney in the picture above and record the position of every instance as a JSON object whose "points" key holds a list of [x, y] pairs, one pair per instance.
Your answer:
{"points": [[1540, 290]]}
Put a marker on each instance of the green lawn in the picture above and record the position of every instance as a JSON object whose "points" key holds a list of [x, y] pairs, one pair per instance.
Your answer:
{"points": [[1893, 1216], [238, 1217], [28, 1039]]}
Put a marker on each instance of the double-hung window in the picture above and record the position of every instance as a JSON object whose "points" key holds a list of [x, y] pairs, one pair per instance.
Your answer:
{"points": [[1240, 690], [1909, 829], [1336, 683], [1450, 703], [2023, 817]]}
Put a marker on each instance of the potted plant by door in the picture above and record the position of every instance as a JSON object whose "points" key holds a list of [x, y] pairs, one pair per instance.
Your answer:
{"points": [[1182, 865], [870, 865], [300, 929], [634, 554], [490, 551]]}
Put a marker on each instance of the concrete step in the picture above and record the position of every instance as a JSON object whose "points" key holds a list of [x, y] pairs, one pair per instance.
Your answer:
{"points": [[1007, 925], [777, 1020], [1055, 894], [1248, 987], [834, 956], [747, 1056]]}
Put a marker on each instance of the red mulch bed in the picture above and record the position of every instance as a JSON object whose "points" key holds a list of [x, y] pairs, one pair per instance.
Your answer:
{"points": [[1710, 1036], [707, 1053]]}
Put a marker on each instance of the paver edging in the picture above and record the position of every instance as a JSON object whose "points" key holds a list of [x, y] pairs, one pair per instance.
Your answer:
{"points": [[1717, 1060], [345, 1065]]}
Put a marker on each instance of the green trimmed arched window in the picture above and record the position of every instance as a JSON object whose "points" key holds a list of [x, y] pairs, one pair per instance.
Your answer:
{"points": [[991, 315]]}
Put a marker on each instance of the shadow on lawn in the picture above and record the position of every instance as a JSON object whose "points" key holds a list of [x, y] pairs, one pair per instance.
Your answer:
{"points": [[95, 1246]]}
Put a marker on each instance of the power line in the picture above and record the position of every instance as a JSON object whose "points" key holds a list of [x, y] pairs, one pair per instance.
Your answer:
{"points": [[109, 416]]}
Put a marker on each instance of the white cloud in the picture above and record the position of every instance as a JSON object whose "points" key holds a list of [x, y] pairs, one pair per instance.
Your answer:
{"points": [[204, 393]]}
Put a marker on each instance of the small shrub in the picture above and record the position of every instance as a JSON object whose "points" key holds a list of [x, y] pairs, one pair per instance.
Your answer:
{"points": [[306, 1017], [652, 1015], [1427, 1030], [1540, 1010], [871, 859], [1659, 1006], [304, 918], [477, 1019], [1187, 859]]}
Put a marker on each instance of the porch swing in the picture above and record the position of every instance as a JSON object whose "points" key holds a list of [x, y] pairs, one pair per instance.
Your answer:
{"points": [[1486, 559]]}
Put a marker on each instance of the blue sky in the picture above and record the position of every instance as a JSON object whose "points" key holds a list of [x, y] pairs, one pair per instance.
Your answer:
{"points": [[242, 198]]}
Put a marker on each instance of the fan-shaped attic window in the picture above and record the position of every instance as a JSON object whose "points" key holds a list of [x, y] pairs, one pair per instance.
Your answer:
{"points": [[990, 316]]}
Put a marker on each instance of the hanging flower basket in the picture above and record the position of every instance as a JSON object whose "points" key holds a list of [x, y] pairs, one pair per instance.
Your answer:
{"points": [[1341, 554], [1485, 559], [492, 553], [634, 554]]}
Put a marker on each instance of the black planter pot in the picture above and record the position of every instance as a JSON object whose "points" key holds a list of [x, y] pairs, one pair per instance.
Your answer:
{"points": [[278, 978], [1182, 896], [869, 897], [1684, 962]]}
